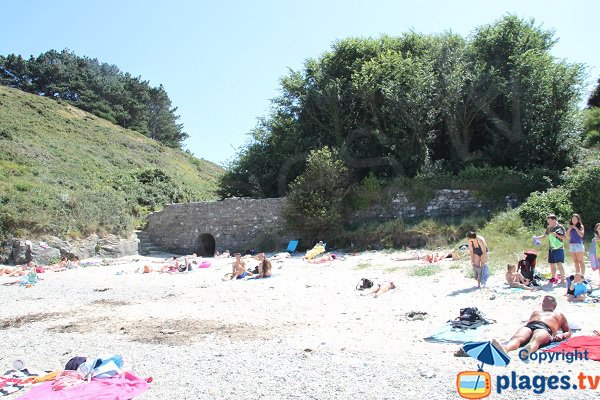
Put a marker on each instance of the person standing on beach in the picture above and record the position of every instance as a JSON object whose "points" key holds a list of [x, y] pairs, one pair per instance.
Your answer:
{"points": [[593, 254], [556, 254], [576, 232], [479, 257]]}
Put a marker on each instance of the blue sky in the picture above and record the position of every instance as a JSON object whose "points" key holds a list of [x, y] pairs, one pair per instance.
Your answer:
{"points": [[221, 61]]}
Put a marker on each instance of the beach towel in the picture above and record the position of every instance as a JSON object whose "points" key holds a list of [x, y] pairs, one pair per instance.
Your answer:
{"points": [[315, 251], [14, 380], [593, 257], [120, 387], [581, 343], [505, 289], [447, 334]]}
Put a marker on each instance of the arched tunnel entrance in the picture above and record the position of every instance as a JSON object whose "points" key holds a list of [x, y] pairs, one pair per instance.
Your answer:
{"points": [[206, 245]]}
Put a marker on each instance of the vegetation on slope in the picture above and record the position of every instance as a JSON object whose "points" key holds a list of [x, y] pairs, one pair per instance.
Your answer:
{"points": [[66, 172]]}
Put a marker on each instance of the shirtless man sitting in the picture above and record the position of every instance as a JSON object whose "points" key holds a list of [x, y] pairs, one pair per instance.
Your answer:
{"points": [[541, 329], [238, 269], [378, 289], [515, 279]]}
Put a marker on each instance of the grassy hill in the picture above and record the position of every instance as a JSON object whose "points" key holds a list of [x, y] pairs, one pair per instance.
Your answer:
{"points": [[66, 172]]}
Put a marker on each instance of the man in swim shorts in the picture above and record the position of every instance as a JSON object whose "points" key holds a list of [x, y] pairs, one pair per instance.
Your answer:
{"points": [[541, 329]]}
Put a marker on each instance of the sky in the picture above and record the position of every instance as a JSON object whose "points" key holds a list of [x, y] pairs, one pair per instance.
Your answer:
{"points": [[221, 61]]}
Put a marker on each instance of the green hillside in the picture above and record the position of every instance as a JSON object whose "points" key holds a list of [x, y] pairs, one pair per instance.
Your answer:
{"points": [[66, 172]]}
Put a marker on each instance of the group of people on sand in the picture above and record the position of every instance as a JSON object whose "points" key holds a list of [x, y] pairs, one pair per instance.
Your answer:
{"points": [[557, 234], [32, 266], [239, 270]]}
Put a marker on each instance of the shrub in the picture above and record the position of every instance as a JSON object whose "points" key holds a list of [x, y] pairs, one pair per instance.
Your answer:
{"points": [[314, 202], [554, 201], [582, 184], [591, 127]]}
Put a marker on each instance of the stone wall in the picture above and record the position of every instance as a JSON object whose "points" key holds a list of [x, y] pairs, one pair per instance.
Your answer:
{"points": [[445, 203], [240, 224], [236, 224]]}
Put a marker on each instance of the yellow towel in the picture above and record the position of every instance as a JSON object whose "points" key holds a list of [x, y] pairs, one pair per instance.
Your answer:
{"points": [[48, 377]]}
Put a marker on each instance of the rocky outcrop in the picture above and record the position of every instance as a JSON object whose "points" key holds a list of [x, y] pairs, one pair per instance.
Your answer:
{"points": [[51, 249]]}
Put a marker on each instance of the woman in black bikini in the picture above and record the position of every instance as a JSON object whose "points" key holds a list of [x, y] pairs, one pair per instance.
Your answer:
{"points": [[478, 250]]}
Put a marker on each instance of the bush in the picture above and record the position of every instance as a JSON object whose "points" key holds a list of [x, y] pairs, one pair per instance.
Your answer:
{"points": [[554, 201], [314, 203], [369, 192], [582, 184], [591, 127]]}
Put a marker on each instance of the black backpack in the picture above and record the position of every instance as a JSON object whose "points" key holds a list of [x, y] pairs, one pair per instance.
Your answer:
{"points": [[470, 318], [364, 284]]}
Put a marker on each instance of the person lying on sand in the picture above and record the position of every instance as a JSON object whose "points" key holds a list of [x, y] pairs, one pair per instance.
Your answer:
{"points": [[225, 254], [59, 266], [378, 289], [238, 269], [541, 329], [13, 271], [578, 287], [323, 259], [515, 279], [264, 268]]}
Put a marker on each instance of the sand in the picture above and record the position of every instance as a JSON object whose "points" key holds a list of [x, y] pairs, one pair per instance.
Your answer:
{"points": [[305, 333]]}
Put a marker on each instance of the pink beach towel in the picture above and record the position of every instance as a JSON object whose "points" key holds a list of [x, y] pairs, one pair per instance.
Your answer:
{"points": [[120, 387]]}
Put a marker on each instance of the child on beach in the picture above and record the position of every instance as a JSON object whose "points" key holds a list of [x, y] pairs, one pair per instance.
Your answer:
{"points": [[575, 233], [515, 279], [556, 234], [578, 287]]}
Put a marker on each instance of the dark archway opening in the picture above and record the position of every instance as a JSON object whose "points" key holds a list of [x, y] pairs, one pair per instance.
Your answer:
{"points": [[206, 245]]}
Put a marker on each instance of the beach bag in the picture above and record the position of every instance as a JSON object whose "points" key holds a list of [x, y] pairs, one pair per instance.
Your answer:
{"points": [[469, 318], [364, 284]]}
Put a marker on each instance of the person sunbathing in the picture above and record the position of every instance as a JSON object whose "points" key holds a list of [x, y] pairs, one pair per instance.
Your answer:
{"points": [[13, 271], [238, 269], [264, 268], [323, 259], [578, 287], [515, 279], [378, 289], [541, 329]]}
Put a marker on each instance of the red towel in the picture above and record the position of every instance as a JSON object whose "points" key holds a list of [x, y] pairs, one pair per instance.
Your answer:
{"points": [[581, 343]]}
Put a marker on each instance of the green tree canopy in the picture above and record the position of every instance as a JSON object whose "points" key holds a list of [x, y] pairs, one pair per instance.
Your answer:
{"points": [[98, 88], [394, 105]]}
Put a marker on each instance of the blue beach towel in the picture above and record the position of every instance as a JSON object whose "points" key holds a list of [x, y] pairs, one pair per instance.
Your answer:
{"points": [[447, 334]]}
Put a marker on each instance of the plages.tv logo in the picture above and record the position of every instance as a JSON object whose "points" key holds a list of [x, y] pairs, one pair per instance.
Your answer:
{"points": [[478, 384], [474, 384]]}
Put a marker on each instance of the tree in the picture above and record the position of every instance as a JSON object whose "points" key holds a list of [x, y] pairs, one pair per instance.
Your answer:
{"points": [[594, 99], [394, 105], [314, 204], [99, 88]]}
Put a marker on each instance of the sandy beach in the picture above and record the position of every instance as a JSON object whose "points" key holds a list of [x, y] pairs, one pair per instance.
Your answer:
{"points": [[304, 333]]}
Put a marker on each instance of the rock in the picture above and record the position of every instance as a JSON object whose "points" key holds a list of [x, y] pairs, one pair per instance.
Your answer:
{"points": [[43, 254], [113, 246], [21, 251]]}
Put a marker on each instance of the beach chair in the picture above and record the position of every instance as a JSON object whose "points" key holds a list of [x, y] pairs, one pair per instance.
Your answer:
{"points": [[292, 246]]}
